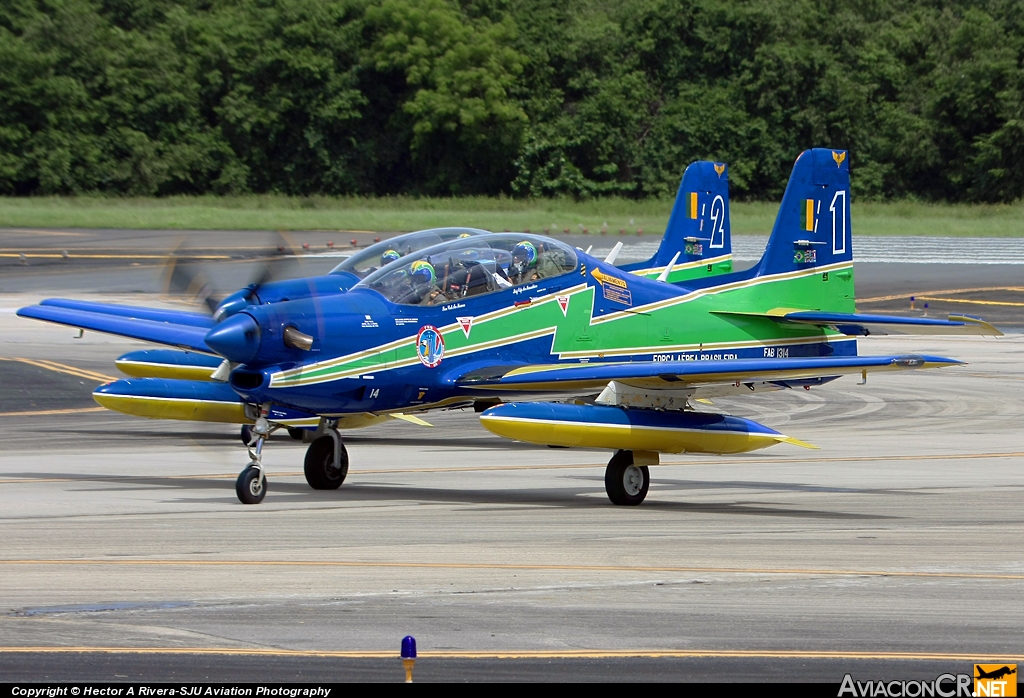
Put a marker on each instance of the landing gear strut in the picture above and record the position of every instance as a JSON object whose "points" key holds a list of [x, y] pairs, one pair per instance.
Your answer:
{"points": [[251, 485], [625, 482], [326, 462]]}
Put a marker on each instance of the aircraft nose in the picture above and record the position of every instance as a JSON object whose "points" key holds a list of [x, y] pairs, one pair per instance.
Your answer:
{"points": [[236, 339]]}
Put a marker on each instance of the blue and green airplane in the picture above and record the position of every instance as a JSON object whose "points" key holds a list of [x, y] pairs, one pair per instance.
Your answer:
{"points": [[616, 356]]}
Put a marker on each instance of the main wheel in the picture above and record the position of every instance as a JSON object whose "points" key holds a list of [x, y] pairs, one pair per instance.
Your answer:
{"points": [[626, 483], [246, 434], [249, 488], [319, 466]]}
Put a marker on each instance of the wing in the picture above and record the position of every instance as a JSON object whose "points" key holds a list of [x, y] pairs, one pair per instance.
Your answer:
{"points": [[676, 375], [149, 330], [864, 324], [177, 317]]}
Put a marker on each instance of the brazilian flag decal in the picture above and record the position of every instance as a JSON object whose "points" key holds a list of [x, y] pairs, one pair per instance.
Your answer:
{"points": [[807, 215]]}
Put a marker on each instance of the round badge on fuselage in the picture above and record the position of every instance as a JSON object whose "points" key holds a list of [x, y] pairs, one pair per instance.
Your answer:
{"points": [[430, 346]]}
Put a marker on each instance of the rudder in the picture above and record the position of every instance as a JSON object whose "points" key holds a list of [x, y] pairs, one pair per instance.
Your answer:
{"points": [[813, 225], [698, 237]]}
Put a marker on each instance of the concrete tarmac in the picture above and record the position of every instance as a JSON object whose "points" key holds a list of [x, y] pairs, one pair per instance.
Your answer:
{"points": [[893, 552]]}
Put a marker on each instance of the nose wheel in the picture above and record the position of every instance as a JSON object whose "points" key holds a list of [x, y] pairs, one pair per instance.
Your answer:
{"points": [[251, 485], [625, 482]]}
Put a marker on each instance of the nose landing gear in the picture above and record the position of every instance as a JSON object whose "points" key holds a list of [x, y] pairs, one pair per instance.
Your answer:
{"points": [[251, 485]]}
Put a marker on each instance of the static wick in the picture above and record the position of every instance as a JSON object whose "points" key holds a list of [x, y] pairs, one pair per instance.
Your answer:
{"points": [[408, 656]]}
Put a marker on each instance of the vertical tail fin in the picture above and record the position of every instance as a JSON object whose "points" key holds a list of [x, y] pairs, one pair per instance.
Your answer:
{"points": [[698, 240], [813, 225]]}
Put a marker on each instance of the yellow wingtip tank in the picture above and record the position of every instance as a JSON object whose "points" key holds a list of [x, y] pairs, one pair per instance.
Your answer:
{"points": [[593, 426]]}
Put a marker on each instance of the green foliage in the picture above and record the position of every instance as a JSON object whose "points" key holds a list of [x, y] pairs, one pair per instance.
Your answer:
{"points": [[577, 98]]}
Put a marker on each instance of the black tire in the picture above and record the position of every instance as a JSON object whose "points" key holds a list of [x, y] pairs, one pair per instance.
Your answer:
{"points": [[296, 433], [319, 466], [248, 487], [625, 483], [246, 434]]}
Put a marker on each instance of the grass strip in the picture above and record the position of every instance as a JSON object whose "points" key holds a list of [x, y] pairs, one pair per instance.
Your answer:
{"points": [[274, 212]]}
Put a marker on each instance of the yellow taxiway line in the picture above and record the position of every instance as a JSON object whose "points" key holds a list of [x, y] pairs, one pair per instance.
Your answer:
{"points": [[967, 300], [79, 255], [527, 654], [44, 413], [906, 296], [646, 569], [497, 468], [61, 368]]}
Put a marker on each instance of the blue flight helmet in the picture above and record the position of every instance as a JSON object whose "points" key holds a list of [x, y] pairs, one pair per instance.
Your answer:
{"points": [[524, 256], [388, 257]]}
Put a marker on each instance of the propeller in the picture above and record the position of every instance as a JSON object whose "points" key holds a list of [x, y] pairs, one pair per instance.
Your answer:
{"points": [[184, 275]]}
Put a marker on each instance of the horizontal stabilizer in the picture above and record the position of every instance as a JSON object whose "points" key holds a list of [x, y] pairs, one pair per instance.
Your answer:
{"points": [[681, 374], [184, 336], [857, 324], [176, 317]]}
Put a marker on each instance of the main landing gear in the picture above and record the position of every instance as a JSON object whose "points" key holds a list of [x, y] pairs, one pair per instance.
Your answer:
{"points": [[326, 463], [325, 467], [625, 482]]}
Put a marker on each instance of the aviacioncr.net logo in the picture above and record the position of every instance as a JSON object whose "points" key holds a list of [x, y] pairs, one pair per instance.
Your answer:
{"points": [[943, 686]]}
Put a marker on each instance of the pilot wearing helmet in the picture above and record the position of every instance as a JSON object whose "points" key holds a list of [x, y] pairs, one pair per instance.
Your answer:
{"points": [[523, 266], [389, 256], [424, 281]]}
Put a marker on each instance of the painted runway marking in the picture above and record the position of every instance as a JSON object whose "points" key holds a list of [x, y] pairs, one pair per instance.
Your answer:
{"points": [[43, 413], [525, 654], [61, 368], [496, 468], [967, 300], [906, 296], [76, 255], [646, 569]]}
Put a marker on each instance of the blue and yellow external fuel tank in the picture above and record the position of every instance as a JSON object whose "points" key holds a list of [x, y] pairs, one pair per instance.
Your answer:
{"points": [[599, 426]]}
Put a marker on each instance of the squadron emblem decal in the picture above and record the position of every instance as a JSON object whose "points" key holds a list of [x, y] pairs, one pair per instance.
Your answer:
{"points": [[430, 346], [838, 157], [466, 323]]}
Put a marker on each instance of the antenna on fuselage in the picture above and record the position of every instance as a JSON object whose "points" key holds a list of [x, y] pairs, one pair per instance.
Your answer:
{"points": [[663, 276], [610, 259]]}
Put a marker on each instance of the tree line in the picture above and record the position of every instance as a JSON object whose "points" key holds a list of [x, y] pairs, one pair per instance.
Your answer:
{"points": [[579, 98]]}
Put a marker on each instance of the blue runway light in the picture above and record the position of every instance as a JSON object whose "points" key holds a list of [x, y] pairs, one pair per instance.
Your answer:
{"points": [[408, 656]]}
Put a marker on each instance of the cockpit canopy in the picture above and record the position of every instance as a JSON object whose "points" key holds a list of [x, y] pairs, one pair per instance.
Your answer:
{"points": [[379, 254], [473, 266]]}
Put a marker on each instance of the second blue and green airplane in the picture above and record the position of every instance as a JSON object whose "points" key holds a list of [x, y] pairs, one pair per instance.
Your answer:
{"points": [[551, 345]]}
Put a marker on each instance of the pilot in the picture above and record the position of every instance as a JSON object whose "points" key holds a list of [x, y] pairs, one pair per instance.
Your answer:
{"points": [[523, 267], [424, 281], [388, 257]]}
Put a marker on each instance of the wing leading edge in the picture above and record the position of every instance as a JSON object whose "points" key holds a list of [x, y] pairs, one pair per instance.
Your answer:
{"points": [[681, 374], [168, 333]]}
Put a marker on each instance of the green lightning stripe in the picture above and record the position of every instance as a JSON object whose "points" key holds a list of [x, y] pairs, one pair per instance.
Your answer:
{"points": [[488, 333], [724, 288], [579, 335]]}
